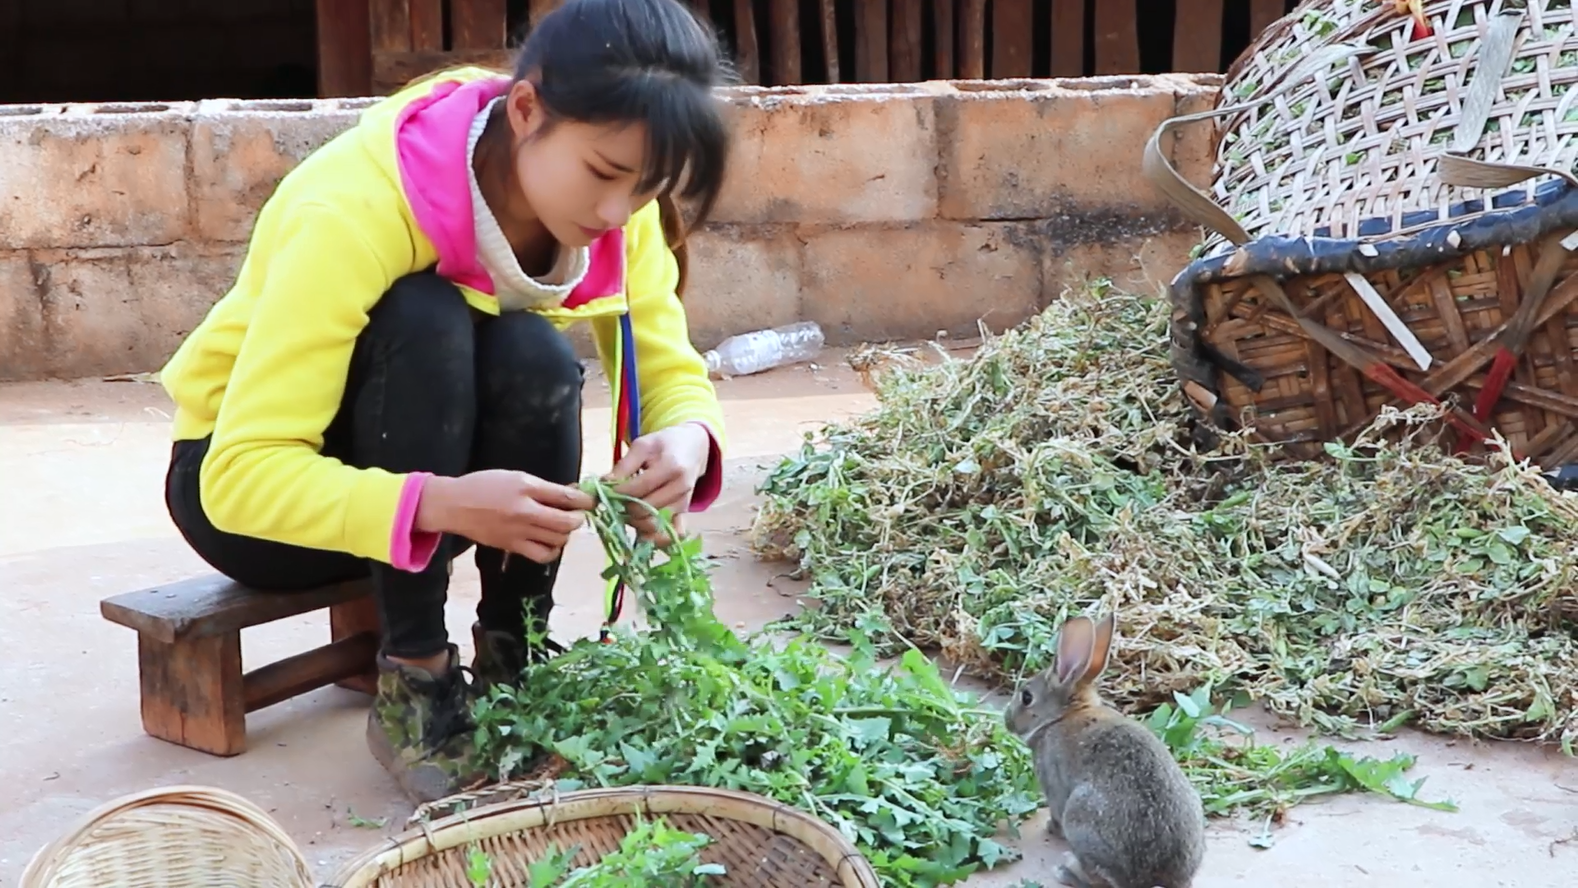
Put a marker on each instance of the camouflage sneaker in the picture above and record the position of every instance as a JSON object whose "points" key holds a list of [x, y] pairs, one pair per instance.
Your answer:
{"points": [[501, 656], [420, 728]]}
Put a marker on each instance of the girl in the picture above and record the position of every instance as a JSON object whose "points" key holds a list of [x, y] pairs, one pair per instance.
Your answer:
{"points": [[387, 385]]}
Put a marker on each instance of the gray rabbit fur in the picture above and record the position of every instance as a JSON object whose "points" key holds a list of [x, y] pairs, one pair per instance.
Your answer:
{"points": [[1114, 792]]}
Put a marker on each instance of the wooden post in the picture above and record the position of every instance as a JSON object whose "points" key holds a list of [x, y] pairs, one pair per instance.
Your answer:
{"points": [[972, 40], [359, 617], [1262, 13], [786, 41], [1197, 37], [905, 51], [390, 25], [1117, 38], [192, 692], [1012, 36], [1068, 38], [943, 38], [427, 25], [345, 58], [748, 54], [871, 41], [830, 39], [478, 24]]}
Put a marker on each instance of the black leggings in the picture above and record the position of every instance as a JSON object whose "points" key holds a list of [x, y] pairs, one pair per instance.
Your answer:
{"points": [[434, 387]]}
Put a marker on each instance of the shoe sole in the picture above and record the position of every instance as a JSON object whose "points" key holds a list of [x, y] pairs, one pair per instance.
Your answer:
{"points": [[417, 788]]}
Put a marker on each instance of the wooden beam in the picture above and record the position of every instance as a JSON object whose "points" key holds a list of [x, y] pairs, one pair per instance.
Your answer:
{"points": [[972, 40], [1012, 36], [478, 24], [748, 56], [785, 32], [1117, 38], [427, 25], [293, 676], [1262, 13], [905, 41], [871, 42], [345, 56], [1197, 37], [1068, 38], [943, 39], [391, 25], [830, 39]]}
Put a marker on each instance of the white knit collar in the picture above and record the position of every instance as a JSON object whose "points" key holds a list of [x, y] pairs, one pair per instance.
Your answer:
{"points": [[515, 289]]}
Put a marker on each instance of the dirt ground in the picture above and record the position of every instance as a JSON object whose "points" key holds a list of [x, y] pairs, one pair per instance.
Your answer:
{"points": [[84, 519]]}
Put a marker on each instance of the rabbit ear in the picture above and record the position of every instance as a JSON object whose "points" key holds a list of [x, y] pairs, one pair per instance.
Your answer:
{"points": [[1074, 644], [1102, 648]]}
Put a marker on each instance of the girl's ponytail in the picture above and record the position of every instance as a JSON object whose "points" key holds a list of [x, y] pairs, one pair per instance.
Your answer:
{"points": [[674, 233]]}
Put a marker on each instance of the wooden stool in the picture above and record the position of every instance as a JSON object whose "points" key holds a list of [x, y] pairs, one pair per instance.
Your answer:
{"points": [[194, 693]]}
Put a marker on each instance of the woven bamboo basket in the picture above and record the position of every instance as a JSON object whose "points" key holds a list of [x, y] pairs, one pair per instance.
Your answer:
{"points": [[171, 837], [761, 843], [1391, 221]]}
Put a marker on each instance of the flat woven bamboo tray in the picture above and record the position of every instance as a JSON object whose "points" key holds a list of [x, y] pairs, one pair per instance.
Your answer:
{"points": [[171, 837], [761, 843], [1391, 220]]}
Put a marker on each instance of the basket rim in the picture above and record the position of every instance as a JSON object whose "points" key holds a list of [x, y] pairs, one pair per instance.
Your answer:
{"points": [[488, 821], [46, 862], [1282, 256]]}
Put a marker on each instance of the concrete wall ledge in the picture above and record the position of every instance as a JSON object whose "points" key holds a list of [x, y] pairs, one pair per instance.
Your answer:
{"points": [[883, 211]]}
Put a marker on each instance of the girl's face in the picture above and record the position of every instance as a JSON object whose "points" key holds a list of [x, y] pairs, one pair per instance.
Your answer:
{"points": [[578, 180]]}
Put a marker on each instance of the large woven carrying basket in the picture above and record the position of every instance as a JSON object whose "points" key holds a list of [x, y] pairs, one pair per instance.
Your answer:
{"points": [[1391, 219], [171, 837], [761, 843]]}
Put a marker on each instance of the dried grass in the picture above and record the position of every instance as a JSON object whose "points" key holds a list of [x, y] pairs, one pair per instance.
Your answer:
{"points": [[988, 498]]}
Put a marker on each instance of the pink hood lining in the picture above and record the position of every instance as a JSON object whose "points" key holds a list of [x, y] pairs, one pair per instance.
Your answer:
{"points": [[430, 149]]}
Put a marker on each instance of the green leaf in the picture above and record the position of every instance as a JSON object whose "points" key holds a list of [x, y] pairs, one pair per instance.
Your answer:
{"points": [[869, 730], [1514, 535]]}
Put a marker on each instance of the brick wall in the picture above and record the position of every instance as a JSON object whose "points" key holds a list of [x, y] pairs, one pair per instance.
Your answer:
{"points": [[116, 50], [882, 212]]}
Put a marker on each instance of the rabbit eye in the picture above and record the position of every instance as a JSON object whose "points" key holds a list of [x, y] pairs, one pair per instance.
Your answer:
{"points": [[1026, 697]]}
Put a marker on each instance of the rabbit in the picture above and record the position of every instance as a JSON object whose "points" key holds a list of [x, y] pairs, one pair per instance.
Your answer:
{"points": [[1116, 796]]}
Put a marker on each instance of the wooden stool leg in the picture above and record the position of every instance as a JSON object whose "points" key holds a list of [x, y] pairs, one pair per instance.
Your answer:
{"points": [[352, 618], [192, 694]]}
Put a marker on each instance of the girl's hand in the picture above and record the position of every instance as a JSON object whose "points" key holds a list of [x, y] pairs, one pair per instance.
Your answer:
{"points": [[505, 510], [662, 468]]}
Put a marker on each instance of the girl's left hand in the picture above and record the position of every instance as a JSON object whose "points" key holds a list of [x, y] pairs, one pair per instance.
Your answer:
{"points": [[662, 468]]}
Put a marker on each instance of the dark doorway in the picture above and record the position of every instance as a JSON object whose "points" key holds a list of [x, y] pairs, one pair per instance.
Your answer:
{"points": [[156, 50]]}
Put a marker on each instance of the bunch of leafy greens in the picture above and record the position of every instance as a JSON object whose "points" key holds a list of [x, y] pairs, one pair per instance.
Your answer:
{"points": [[652, 855], [1234, 775], [905, 767]]}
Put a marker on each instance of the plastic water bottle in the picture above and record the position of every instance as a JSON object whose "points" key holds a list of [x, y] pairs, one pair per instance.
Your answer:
{"points": [[750, 353]]}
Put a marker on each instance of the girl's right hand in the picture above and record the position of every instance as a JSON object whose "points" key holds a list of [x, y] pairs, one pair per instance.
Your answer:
{"points": [[506, 510]]}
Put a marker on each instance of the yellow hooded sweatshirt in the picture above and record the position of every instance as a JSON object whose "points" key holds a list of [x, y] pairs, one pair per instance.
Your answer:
{"points": [[265, 372]]}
